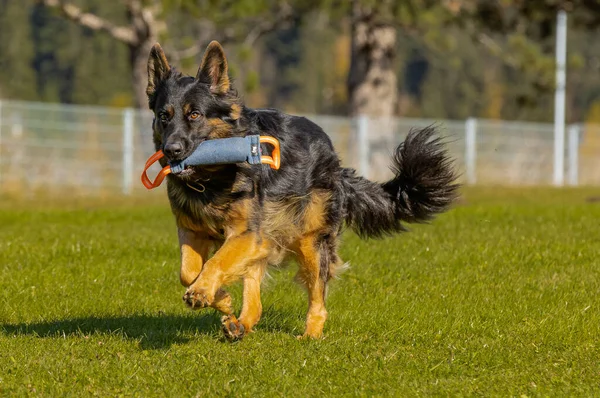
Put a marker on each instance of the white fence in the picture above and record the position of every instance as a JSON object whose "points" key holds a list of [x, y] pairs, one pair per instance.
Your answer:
{"points": [[81, 149]]}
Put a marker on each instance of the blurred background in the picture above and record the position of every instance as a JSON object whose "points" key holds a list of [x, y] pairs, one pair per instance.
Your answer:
{"points": [[73, 109]]}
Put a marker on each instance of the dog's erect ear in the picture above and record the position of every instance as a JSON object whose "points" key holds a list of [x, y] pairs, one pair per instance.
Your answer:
{"points": [[158, 68], [213, 69]]}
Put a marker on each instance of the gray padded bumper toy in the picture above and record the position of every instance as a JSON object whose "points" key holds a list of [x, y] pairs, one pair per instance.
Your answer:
{"points": [[222, 151]]}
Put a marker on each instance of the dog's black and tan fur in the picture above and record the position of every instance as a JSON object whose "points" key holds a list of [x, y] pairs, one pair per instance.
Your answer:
{"points": [[251, 216]]}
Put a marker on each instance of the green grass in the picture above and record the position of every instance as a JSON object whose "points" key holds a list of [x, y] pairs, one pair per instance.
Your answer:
{"points": [[500, 296]]}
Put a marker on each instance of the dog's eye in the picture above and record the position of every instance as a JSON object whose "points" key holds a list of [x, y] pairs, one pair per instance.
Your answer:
{"points": [[164, 118], [194, 115]]}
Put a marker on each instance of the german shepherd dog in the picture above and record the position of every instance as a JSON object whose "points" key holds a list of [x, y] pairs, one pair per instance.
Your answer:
{"points": [[251, 216]]}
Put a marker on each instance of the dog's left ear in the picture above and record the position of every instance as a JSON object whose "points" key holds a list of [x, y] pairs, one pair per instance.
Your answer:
{"points": [[213, 69], [158, 69]]}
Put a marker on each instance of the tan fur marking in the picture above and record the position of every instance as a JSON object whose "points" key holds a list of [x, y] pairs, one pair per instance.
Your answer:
{"points": [[240, 249], [252, 306], [236, 112], [214, 66], [186, 109], [183, 221], [194, 251], [220, 128], [238, 216], [216, 122], [308, 274], [314, 216], [283, 222], [222, 302], [229, 263], [222, 85], [282, 218]]}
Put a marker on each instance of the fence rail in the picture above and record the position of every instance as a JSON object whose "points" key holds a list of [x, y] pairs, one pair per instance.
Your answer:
{"points": [[84, 149]]}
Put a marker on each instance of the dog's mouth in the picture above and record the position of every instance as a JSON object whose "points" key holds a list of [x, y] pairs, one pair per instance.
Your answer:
{"points": [[188, 173], [197, 172]]}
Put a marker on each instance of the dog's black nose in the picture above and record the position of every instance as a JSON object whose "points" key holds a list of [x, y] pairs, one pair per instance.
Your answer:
{"points": [[173, 150]]}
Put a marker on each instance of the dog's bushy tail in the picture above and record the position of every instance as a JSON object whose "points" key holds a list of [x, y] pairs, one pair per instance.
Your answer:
{"points": [[423, 186]]}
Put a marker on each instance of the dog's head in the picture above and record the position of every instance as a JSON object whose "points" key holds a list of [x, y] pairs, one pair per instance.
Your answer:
{"points": [[188, 110]]}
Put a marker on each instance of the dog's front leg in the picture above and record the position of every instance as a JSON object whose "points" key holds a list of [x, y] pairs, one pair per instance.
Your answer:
{"points": [[234, 328], [227, 265], [194, 249]]}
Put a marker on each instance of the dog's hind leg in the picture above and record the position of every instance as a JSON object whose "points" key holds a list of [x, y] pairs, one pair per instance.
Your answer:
{"points": [[235, 329], [311, 254], [194, 252]]}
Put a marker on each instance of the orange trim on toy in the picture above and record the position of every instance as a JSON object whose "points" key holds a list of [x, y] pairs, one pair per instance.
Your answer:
{"points": [[275, 159], [161, 174]]}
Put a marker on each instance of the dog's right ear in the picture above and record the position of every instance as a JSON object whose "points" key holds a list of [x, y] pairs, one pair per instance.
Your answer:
{"points": [[213, 69], [158, 68]]}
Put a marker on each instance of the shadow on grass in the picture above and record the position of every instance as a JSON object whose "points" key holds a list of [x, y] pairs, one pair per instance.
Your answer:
{"points": [[153, 331], [277, 320]]}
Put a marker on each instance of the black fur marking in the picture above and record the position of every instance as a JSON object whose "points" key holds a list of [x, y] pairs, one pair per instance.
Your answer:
{"points": [[423, 187], [327, 247]]}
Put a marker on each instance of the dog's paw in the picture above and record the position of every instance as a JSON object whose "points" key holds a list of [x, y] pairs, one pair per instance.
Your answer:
{"points": [[232, 328], [196, 299]]}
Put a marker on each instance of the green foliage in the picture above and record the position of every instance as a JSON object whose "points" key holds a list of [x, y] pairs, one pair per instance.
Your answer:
{"points": [[251, 82], [496, 297], [486, 59], [45, 58], [17, 78]]}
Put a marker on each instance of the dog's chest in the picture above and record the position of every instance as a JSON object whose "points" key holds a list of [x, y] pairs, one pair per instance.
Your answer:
{"points": [[192, 213], [205, 219]]}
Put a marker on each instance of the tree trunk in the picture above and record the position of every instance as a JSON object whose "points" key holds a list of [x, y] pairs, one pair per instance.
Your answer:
{"points": [[372, 84], [139, 73], [139, 35]]}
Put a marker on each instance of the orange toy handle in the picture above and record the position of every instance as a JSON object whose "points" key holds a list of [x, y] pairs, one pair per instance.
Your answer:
{"points": [[161, 174], [275, 159]]}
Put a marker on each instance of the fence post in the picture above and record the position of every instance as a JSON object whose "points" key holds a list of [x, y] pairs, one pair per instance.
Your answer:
{"points": [[128, 115], [471, 150], [559, 98], [363, 145], [1, 165], [574, 131]]}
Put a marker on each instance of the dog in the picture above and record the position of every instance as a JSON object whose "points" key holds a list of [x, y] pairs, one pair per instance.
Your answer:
{"points": [[251, 216]]}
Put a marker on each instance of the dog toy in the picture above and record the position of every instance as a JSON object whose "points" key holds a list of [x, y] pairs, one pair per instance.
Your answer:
{"points": [[218, 151]]}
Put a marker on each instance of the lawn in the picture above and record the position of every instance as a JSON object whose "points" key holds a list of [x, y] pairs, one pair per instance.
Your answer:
{"points": [[500, 296]]}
